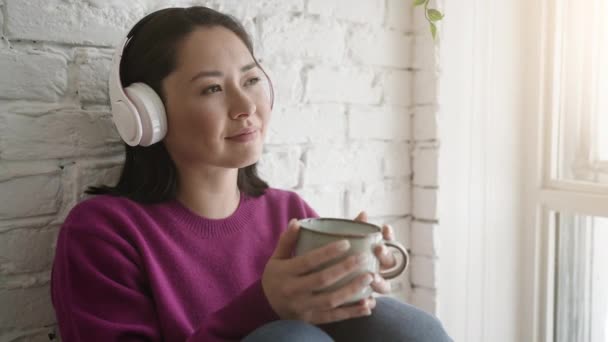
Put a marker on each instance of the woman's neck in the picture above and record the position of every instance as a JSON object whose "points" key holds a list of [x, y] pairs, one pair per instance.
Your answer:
{"points": [[209, 192]]}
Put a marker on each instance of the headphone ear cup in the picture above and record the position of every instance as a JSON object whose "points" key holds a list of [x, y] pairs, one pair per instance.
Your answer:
{"points": [[151, 112]]}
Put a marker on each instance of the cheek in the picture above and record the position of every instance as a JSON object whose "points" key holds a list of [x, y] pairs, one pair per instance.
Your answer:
{"points": [[264, 112], [190, 123]]}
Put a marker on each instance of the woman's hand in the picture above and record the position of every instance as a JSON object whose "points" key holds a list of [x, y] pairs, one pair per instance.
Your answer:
{"points": [[387, 259], [289, 284]]}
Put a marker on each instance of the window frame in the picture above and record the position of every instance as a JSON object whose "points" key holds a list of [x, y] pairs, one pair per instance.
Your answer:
{"points": [[551, 194]]}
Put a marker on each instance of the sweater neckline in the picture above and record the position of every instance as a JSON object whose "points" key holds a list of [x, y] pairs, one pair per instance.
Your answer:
{"points": [[214, 227]]}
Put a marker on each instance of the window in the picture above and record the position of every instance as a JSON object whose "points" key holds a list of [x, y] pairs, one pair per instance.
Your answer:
{"points": [[572, 292]]}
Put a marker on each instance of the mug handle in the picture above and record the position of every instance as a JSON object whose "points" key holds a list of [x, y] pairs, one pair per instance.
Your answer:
{"points": [[390, 274]]}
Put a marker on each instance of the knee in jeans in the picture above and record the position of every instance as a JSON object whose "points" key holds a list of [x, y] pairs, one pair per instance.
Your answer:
{"points": [[421, 326], [288, 331]]}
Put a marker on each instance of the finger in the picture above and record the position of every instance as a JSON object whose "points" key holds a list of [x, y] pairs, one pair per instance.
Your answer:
{"points": [[332, 274], [287, 241], [362, 217], [371, 303], [340, 314], [331, 300], [387, 259], [381, 285], [387, 232], [306, 263]]}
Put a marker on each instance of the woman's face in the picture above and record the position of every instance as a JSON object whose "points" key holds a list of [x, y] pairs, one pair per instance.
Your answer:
{"points": [[217, 102]]}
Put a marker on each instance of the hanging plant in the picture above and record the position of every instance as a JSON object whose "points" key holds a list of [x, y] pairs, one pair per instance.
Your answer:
{"points": [[432, 15]]}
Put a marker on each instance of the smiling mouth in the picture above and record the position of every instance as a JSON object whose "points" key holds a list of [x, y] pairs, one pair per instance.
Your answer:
{"points": [[245, 136]]}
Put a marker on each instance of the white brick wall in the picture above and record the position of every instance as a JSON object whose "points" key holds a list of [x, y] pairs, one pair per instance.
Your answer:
{"points": [[349, 128], [425, 155]]}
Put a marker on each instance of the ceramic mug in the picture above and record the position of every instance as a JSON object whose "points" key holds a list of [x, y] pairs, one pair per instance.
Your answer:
{"points": [[363, 238]]}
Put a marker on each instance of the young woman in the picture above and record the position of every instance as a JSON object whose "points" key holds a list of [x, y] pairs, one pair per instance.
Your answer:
{"points": [[191, 245]]}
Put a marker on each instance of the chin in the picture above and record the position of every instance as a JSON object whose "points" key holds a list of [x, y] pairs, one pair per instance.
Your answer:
{"points": [[248, 161]]}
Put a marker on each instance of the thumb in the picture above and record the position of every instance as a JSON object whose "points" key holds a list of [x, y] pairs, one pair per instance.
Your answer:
{"points": [[287, 241], [362, 217]]}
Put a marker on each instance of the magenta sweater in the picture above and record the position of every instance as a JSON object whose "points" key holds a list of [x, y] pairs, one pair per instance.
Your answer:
{"points": [[124, 271]]}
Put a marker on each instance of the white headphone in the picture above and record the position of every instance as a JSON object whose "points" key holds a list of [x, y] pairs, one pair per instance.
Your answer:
{"points": [[137, 110]]}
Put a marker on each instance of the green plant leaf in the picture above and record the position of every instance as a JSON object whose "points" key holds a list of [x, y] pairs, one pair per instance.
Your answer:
{"points": [[434, 14], [419, 2], [433, 30]]}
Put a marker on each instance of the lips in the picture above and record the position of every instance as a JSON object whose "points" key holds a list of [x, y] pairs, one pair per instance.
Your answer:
{"points": [[243, 133]]}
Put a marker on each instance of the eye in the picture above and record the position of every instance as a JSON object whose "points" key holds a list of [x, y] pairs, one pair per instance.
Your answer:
{"points": [[212, 89], [252, 81]]}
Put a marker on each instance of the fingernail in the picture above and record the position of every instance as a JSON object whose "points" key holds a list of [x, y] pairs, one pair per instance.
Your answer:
{"points": [[343, 245]]}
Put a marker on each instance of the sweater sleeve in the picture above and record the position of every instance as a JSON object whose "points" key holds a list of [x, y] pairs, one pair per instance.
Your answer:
{"points": [[305, 210], [99, 292]]}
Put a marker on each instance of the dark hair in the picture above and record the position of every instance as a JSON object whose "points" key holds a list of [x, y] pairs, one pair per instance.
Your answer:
{"points": [[149, 175]]}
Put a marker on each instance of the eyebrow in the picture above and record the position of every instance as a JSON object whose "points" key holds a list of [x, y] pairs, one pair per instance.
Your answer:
{"points": [[219, 73]]}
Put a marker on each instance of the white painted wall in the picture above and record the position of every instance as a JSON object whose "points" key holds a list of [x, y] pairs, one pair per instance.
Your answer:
{"points": [[347, 134], [485, 262]]}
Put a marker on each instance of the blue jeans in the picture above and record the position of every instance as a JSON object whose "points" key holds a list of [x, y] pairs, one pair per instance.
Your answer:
{"points": [[391, 320]]}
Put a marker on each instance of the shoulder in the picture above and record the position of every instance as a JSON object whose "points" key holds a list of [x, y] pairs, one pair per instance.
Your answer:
{"points": [[282, 195], [100, 206], [289, 201], [101, 214]]}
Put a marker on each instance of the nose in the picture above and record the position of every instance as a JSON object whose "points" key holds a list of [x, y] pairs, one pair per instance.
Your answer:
{"points": [[242, 106]]}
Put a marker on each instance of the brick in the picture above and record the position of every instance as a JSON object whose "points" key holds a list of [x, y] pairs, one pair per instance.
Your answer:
{"points": [[246, 9], [424, 299], [402, 293], [342, 85], [420, 24], [425, 166], [396, 160], [343, 164], [300, 37], [26, 280], [425, 123], [379, 122], [43, 195], [323, 123], [30, 335], [95, 174], [36, 76], [401, 228], [286, 82], [381, 47], [93, 22], [27, 250], [423, 271], [399, 15], [327, 201], [425, 203], [425, 57], [388, 198], [93, 72], [424, 239], [425, 87], [366, 12], [26, 308], [1, 22], [215, 4], [58, 133], [398, 88], [281, 167]]}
